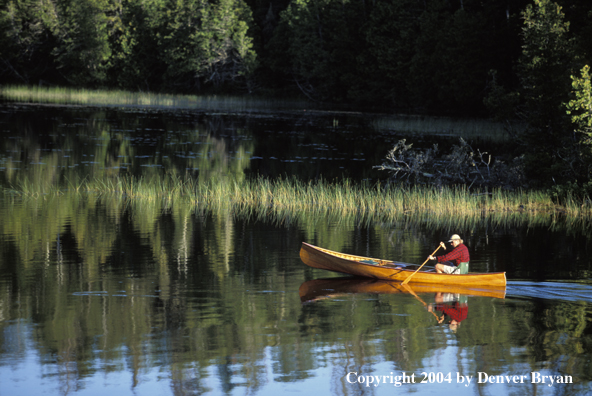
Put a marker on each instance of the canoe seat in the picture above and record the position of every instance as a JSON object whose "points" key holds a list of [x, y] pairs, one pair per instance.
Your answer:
{"points": [[464, 268]]}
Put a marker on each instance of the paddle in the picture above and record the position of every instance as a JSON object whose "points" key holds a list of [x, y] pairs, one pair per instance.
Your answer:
{"points": [[409, 277]]}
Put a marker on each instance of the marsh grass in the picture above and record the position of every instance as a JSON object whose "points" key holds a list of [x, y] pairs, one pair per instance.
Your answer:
{"points": [[287, 197], [57, 95]]}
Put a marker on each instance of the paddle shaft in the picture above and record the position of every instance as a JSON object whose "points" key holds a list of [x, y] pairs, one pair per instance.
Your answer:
{"points": [[410, 290], [409, 277]]}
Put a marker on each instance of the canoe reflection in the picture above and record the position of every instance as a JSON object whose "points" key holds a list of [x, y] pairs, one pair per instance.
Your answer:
{"points": [[450, 306], [317, 289]]}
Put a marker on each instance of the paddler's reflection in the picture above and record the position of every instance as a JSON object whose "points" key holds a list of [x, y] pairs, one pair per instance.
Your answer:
{"points": [[453, 307]]}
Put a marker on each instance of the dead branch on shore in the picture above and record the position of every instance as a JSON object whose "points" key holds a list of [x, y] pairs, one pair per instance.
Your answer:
{"points": [[462, 166]]}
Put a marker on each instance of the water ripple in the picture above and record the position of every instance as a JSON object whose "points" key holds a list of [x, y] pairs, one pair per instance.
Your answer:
{"points": [[550, 290]]}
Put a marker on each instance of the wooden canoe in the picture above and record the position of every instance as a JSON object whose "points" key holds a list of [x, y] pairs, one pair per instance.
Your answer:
{"points": [[317, 257], [318, 289]]}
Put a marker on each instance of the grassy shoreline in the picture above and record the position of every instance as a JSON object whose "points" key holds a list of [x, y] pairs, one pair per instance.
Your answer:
{"points": [[291, 196], [283, 195], [107, 97]]}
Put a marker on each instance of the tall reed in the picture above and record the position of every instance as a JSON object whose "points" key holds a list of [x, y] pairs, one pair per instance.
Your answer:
{"points": [[342, 198]]}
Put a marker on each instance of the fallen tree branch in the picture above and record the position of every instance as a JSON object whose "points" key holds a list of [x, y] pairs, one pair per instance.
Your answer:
{"points": [[462, 166]]}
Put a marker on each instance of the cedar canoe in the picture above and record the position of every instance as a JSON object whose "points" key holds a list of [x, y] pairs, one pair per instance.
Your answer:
{"points": [[317, 257]]}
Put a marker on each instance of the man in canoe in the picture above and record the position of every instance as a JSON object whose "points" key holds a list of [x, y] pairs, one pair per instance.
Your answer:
{"points": [[455, 262]]}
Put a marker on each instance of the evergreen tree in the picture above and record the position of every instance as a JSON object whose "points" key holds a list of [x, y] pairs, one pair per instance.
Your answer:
{"points": [[545, 67], [316, 45], [81, 30], [204, 43], [135, 63], [227, 45], [457, 44], [390, 35], [26, 43]]}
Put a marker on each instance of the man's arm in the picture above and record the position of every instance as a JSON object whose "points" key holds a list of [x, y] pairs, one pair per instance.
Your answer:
{"points": [[455, 254]]}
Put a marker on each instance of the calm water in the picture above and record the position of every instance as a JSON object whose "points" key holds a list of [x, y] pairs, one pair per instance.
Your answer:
{"points": [[102, 295]]}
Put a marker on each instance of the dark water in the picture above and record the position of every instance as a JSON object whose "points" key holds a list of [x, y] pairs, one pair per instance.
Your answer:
{"points": [[103, 295], [66, 143], [95, 142]]}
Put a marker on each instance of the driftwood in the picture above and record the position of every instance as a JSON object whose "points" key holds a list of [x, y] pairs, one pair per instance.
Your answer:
{"points": [[462, 166]]}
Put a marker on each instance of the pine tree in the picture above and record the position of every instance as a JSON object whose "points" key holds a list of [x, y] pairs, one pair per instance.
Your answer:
{"points": [[82, 50]]}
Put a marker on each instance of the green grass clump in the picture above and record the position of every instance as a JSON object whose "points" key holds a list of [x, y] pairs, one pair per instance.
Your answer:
{"points": [[322, 197]]}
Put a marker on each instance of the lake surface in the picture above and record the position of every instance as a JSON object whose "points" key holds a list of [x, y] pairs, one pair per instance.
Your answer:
{"points": [[106, 295]]}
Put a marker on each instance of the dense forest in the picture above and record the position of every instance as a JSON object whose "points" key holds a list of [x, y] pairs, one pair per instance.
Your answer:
{"points": [[509, 59], [417, 55]]}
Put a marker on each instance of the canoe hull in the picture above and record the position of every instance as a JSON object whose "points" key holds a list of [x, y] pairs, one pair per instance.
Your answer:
{"points": [[320, 258]]}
